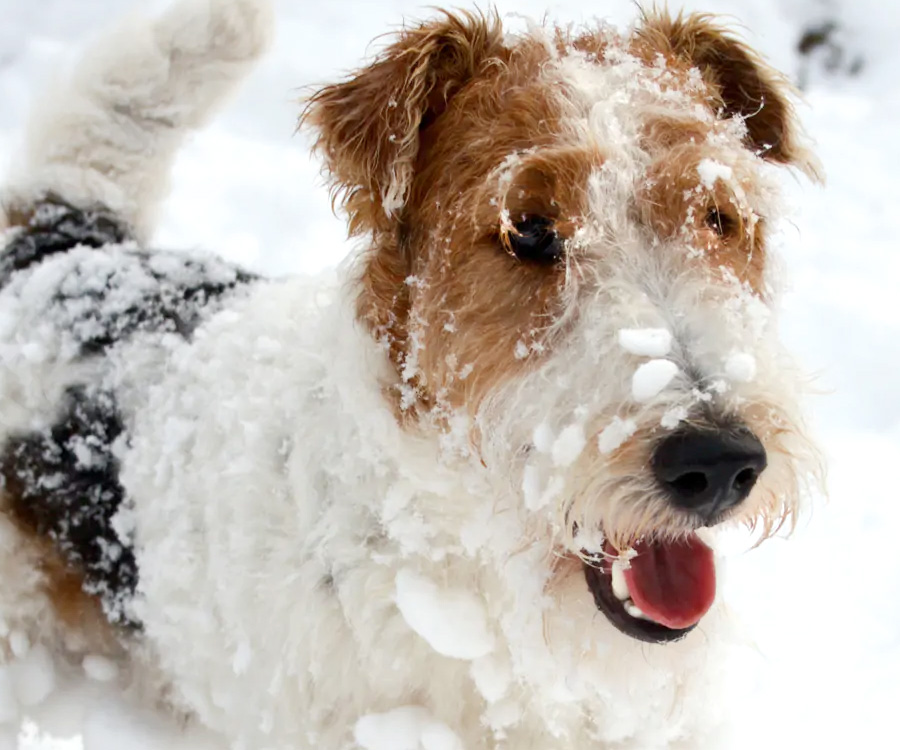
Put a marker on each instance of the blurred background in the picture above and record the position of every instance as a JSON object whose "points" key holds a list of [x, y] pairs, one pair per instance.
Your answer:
{"points": [[822, 609]]}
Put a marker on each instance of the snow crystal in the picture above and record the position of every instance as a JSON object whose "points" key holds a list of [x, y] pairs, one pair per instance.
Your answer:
{"points": [[646, 342], [521, 351], [568, 446], [651, 379], [741, 367], [615, 433], [674, 417], [590, 539], [404, 728], [710, 170], [99, 668], [452, 621]]}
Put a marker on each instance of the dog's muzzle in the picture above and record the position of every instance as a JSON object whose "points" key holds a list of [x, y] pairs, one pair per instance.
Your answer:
{"points": [[663, 587]]}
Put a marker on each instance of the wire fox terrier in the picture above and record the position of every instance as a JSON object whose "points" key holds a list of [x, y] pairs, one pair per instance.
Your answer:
{"points": [[459, 496]]}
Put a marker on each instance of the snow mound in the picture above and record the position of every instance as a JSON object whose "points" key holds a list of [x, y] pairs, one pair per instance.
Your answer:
{"points": [[452, 621]]}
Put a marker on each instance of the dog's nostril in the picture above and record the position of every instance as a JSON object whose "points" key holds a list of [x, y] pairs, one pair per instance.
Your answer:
{"points": [[708, 471], [692, 483], [745, 479]]}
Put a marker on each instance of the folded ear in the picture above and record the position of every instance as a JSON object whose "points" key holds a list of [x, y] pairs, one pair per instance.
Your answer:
{"points": [[368, 126], [746, 86]]}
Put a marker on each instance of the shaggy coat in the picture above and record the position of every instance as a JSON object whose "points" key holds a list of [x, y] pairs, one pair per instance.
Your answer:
{"points": [[405, 506]]}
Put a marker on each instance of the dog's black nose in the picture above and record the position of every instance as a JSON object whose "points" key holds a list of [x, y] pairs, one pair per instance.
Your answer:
{"points": [[709, 471]]}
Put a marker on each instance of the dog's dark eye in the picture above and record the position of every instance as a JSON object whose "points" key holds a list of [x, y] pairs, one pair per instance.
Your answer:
{"points": [[721, 223], [534, 240]]}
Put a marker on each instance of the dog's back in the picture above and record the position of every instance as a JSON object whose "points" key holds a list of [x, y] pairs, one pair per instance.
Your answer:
{"points": [[78, 288]]}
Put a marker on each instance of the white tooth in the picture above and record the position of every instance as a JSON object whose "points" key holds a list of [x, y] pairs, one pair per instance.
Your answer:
{"points": [[619, 585], [632, 609]]}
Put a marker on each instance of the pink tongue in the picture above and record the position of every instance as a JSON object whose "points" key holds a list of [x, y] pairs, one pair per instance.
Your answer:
{"points": [[673, 583]]}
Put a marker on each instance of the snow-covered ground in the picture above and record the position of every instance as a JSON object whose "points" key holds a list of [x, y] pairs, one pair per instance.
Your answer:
{"points": [[822, 609]]}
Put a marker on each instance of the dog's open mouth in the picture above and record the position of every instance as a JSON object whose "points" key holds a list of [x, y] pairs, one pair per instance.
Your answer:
{"points": [[658, 591]]}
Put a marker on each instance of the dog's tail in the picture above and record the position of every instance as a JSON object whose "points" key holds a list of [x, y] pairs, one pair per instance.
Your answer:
{"points": [[107, 134]]}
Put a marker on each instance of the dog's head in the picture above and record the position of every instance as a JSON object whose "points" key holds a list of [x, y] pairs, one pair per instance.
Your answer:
{"points": [[568, 266]]}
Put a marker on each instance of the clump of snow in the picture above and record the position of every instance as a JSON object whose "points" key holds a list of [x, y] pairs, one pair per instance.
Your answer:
{"points": [[452, 621], [100, 668], [709, 170], [568, 445], [590, 539], [531, 487], [543, 438], [652, 378], [404, 728], [674, 417], [741, 367], [615, 433], [646, 342], [18, 643]]}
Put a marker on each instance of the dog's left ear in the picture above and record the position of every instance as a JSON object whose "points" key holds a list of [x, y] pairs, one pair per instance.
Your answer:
{"points": [[746, 86], [368, 126]]}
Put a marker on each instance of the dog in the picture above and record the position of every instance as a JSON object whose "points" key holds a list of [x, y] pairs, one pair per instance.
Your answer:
{"points": [[462, 493]]}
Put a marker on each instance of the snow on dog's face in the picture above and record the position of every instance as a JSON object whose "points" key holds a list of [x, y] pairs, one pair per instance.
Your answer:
{"points": [[569, 267]]}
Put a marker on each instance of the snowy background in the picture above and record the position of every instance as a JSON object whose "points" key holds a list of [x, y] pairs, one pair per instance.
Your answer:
{"points": [[822, 609]]}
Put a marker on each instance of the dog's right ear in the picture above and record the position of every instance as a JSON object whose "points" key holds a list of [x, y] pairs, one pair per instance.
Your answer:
{"points": [[368, 126]]}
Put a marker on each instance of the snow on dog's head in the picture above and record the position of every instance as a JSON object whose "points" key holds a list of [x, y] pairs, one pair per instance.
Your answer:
{"points": [[568, 266]]}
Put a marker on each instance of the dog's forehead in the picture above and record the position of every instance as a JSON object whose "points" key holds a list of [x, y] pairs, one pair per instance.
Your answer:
{"points": [[609, 101]]}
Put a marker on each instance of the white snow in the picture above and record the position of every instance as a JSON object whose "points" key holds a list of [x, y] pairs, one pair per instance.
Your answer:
{"points": [[451, 620], [710, 170], [615, 434], [543, 438], [674, 417], [646, 342], [568, 445], [404, 728], [741, 367], [532, 492], [100, 668], [652, 378]]}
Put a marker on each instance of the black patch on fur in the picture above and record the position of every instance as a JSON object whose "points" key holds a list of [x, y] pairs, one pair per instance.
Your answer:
{"points": [[143, 292], [63, 484], [56, 227]]}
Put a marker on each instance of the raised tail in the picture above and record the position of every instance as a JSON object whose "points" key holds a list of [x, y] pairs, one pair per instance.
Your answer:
{"points": [[107, 134]]}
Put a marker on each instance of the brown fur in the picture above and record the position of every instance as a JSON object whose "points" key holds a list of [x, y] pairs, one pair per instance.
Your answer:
{"points": [[441, 108], [63, 585], [742, 83]]}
